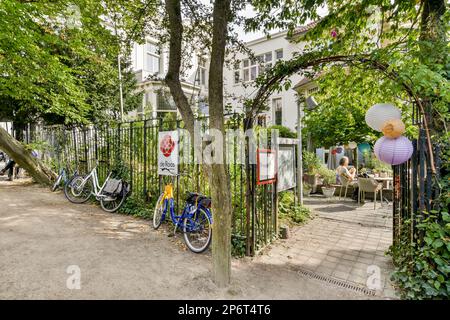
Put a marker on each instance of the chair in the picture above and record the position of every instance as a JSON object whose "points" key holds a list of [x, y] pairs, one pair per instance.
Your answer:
{"points": [[345, 182], [370, 185]]}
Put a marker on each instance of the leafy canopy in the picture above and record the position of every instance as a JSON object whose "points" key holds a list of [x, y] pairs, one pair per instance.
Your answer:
{"points": [[59, 60]]}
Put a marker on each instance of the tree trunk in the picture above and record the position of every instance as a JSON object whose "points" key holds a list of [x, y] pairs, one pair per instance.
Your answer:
{"points": [[23, 158], [220, 178], [172, 79], [216, 173]]}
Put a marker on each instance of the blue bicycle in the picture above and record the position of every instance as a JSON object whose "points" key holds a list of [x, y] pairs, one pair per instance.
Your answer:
{"points": [[196, 218], [62, 178]]}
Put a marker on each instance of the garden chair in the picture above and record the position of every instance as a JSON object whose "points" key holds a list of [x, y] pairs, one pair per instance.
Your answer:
{"points": [[345, 182], [370, 185]]}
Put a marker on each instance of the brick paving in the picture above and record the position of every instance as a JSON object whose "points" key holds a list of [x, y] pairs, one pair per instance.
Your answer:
{"points": [[342, 242]]}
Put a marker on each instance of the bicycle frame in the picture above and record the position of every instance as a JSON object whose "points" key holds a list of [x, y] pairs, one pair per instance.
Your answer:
{"points": [[189, 211], [96, 185]]}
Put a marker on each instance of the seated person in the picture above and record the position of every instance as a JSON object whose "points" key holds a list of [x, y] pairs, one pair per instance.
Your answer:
{"points": [[343, 172]]}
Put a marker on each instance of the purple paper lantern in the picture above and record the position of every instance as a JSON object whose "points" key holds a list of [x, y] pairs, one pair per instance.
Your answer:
{"points": [[393, 151]]}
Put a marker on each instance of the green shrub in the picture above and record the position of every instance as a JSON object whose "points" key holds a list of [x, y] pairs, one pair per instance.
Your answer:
{"points": [[238, 243], [372, 162], [328, 175], [423, 268], [284, 132], [136, 206], [311, 162], [291, 212]]}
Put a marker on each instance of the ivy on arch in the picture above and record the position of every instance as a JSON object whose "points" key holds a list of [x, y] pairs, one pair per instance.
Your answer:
{"points": [[277, 79]]}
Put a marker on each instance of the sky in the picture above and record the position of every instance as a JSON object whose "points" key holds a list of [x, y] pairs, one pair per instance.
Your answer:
{"points": [[249, 12]]}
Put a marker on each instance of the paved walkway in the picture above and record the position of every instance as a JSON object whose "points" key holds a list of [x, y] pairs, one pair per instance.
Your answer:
{"points": [[345, 243]]}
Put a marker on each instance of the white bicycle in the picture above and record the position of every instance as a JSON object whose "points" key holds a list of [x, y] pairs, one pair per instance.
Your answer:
{"points": [[111, 194]]}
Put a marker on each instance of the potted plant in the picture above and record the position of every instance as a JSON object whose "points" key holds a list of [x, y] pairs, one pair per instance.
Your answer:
{"points": [[311, 166], [328, 179], [383, 169], [307, 189]]}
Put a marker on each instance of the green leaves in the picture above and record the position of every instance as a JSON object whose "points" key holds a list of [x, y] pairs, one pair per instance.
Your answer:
{"points": [[289, 211], [59, 62], [430, 276]]}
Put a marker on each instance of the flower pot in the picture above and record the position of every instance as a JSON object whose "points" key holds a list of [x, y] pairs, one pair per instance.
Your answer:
{"points": [[312, 180], [306, 192], [328, 192]]}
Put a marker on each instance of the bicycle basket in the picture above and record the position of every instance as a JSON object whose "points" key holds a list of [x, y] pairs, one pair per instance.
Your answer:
{"points": [[205, 202], [198, 199], [126, 189], [113, 187], [191, 197]]}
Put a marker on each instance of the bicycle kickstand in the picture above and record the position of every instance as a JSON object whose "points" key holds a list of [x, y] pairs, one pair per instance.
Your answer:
{"points": [[175, 229]]}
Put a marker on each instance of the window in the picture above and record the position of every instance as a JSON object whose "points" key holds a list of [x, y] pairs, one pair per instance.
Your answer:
{"points": [[278, 111], [265, 62], [237, 73], [246, 71], [201, 72], [279, 54], [253, 68], [250, 70], [152, 58], [165, 102], [203, 107], [147, 99]]}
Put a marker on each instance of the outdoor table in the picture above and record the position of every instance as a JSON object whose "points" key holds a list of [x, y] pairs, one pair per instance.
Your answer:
{"points": [[384, 179]]}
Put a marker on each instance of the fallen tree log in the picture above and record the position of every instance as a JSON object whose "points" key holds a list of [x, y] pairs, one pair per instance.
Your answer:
{"points": [[15, 150]]}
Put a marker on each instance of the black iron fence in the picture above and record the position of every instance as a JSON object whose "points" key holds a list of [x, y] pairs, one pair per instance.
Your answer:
{"points": [[132, 149], [415, 191]]}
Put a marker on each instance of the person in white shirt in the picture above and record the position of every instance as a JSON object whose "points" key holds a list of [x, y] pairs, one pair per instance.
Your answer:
{"points": [[343, 172]]}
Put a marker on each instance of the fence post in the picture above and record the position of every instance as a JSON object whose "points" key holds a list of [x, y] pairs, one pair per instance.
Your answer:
{"points": [[421, 174], [85, 149], [275, 146], [130, 146], [249, 190], [118, 147], [108, 148], [75, 146], [145, 160]]}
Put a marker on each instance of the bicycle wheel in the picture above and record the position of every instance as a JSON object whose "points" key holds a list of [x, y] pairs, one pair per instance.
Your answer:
{"points": [[57, 183], [112, 204], [158, 212], [197, 231], [75, 193]]}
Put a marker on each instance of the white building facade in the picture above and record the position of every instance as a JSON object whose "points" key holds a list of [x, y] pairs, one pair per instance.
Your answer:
{"points": [[150, 64], [282, 107]]}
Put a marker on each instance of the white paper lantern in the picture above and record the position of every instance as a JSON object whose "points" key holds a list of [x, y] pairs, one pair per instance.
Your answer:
{"points": [[380, 113], [352, 145]]}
